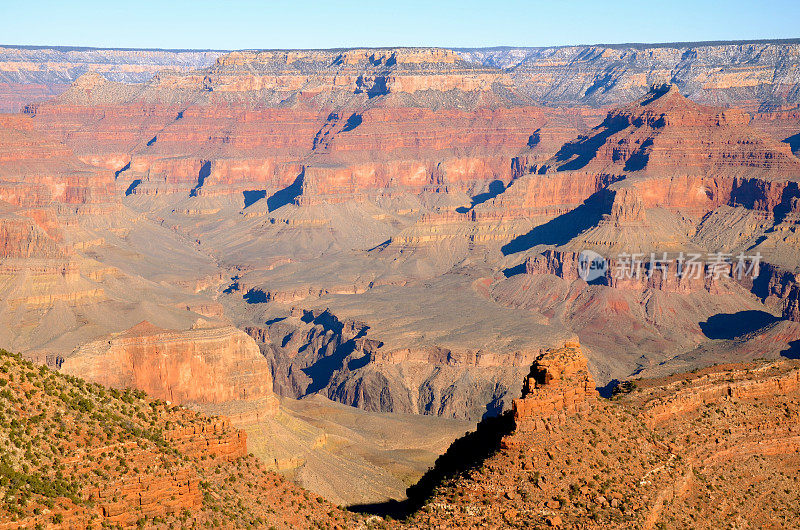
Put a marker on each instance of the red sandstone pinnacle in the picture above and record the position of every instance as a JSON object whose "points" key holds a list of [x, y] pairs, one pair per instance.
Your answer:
{"points": [[559, 384]]}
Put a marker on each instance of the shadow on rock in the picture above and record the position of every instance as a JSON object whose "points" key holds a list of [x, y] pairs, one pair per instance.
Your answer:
{"points": [[564, 227], [465, 454], [287, 195], [793, 351], [728, 326], [496, 187], [607, 391]]}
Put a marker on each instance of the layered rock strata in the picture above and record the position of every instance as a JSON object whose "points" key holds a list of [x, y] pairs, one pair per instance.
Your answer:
{"points": [[559, 384], [34, 73], [87, 456], [758, 74], [202, 365]]}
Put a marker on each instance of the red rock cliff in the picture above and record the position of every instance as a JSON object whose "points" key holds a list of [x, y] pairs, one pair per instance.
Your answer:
{"points": [[203, 365]]}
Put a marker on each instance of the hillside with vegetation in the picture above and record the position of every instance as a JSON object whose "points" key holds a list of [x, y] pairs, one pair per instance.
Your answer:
{"points": [[77, 454]]}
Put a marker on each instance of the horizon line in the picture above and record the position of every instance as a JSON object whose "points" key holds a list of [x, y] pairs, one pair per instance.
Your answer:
{"points": [[675, 44]]}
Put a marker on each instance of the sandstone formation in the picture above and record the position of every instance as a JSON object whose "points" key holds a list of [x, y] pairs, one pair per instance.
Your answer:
{"points": [[221, 371], [741, 73], [202, 365], [402, 361], [665, 450], [45, 194], [214, 439], [713, 385], [782, 123], [37, 171], [661, 179], [559, 384], [331, 202], [398, 230], [744, 73], [617, 201], [341, 139], [675, 154]]}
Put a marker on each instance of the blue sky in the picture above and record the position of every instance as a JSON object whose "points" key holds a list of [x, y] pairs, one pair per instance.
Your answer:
{"points": [[247, 24]]}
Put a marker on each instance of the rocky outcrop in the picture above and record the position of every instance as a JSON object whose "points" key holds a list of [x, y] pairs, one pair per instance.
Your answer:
{"points": [[370, 143], [544, 196], [441, 124], [637, 276], [215, 438], [156, 496], [371, 71], [366, 147], [170, 493], [559, 384], [37, 171], [782, 123], [664, 172], [754, 74], [627, 207], [14, 96], [316, 351], [90, 456], [791, 308], [714, 385], [320, 340], [740, 417], [20, 237], [42, 186], [202, 365], [41, 283]]}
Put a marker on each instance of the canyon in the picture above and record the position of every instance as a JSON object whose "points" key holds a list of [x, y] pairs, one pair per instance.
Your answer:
{"points": [[327, 248], [23, 79]]}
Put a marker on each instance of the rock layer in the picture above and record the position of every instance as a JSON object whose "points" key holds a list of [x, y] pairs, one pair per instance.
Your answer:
{"points": [[203, 365], [35, 73], [744, 73]]}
